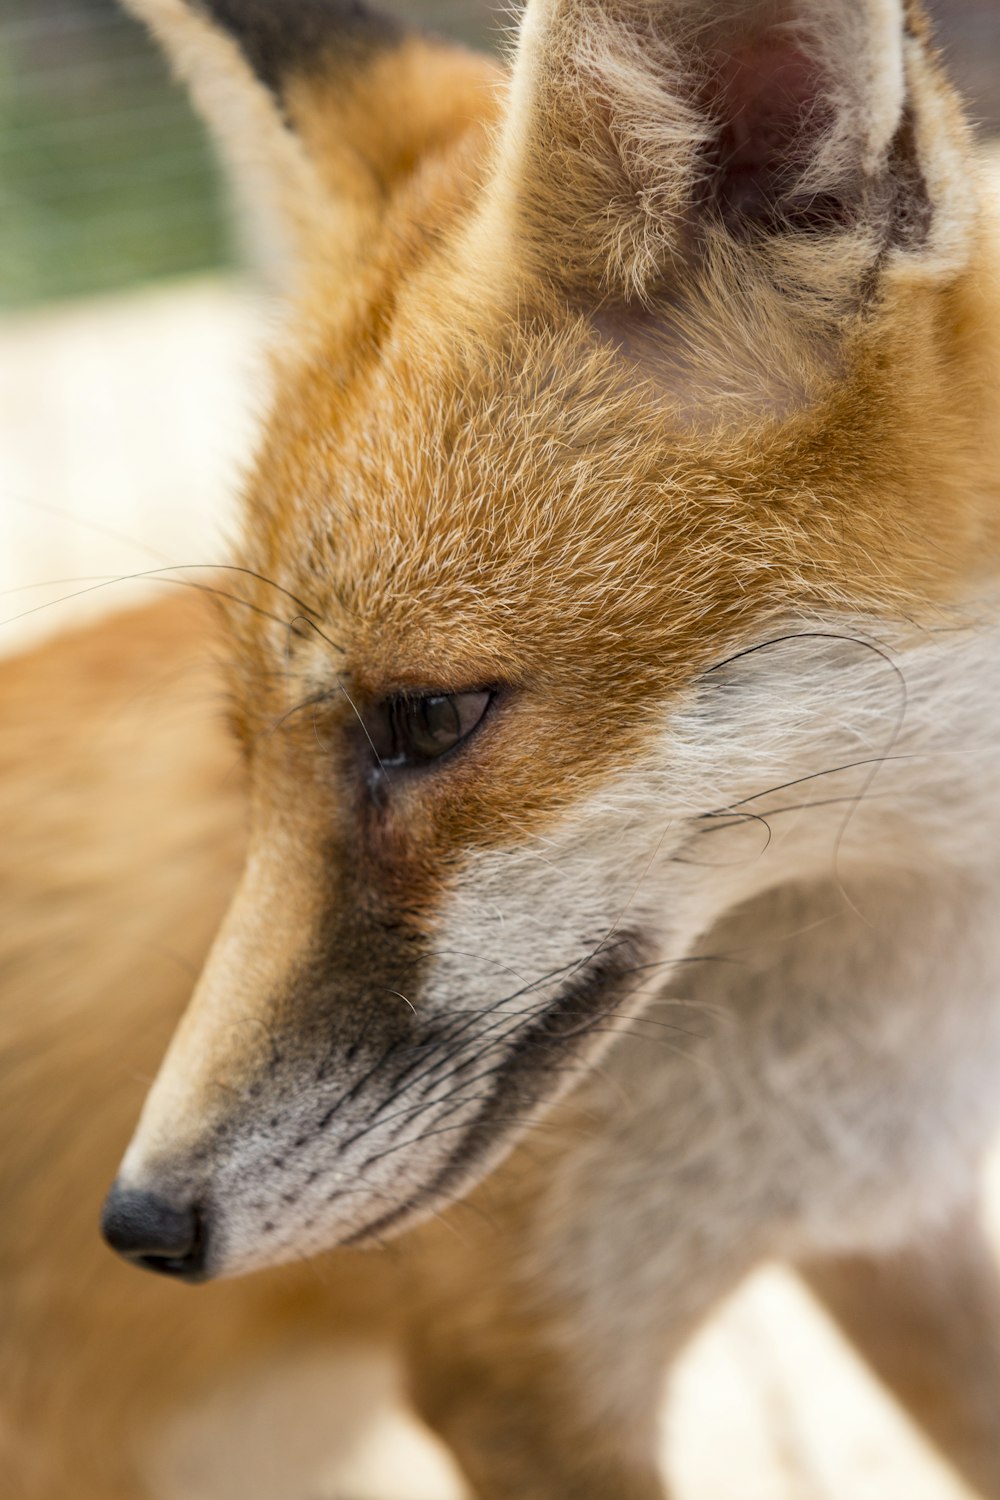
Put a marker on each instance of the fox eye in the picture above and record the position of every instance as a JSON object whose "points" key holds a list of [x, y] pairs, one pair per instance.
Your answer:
{"points": [[410, 731]]}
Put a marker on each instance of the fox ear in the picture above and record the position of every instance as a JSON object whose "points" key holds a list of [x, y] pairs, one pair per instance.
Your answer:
{"points": [[321, 107], [803, 139]]}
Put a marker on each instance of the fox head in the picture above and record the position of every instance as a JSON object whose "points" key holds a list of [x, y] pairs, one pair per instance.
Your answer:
{"points": [[615, 389]]}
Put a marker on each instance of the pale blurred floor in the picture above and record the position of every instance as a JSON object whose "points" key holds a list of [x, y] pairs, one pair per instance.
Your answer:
{"points": [[123, 427], [124, 424]]}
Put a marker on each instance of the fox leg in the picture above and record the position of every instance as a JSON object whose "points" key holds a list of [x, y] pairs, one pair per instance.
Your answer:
{"points": [[514, 1422], [927, 1319], [538, 1349]]}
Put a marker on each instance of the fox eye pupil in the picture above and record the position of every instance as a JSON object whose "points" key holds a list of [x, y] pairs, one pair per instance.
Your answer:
{"points": [[419, 729], [428, 726]]}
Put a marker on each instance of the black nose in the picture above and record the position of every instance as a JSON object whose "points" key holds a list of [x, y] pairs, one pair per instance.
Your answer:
{"points": [[153, 1233]]}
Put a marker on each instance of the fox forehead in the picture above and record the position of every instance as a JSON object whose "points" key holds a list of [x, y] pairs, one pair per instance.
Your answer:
{"points": [[531, 513], [473, 477]]}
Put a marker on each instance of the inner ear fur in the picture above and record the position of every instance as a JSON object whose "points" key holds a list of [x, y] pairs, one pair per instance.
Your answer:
{"points": [[802, 140], [321, 108]]}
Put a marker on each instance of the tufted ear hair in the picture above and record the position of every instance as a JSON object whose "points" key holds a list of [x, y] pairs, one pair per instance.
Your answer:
{"points": [[805, 142], [322, 108]]}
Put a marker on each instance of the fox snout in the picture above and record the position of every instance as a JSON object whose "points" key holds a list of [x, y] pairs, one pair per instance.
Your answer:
{"points": [[348, 1143], [335, 1096]]}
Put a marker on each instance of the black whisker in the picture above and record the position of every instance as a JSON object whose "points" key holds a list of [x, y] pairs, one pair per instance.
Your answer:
{"points": [[155, 575]]}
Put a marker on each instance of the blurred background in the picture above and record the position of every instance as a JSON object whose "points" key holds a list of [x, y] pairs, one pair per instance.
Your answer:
{"points": [[129, 389], [106, 180]]}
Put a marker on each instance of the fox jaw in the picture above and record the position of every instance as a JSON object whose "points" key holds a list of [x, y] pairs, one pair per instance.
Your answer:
{"points": [[624, 404]]}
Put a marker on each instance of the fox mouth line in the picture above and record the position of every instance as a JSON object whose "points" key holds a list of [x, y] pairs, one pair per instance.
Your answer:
{"points": [[565, 1025]]}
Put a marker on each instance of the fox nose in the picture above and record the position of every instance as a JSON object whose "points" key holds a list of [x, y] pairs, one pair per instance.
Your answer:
{"points": [[155, 1234]]}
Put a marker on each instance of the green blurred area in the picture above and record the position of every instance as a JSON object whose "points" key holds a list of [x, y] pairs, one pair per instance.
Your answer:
{"points": [[105, 176], [106, 179]]}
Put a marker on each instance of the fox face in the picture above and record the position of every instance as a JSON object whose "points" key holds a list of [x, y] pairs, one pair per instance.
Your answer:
{"points": [[615, 391]]}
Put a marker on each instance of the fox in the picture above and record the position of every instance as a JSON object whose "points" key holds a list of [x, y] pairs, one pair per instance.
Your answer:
{"points": [[577, 803]]}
